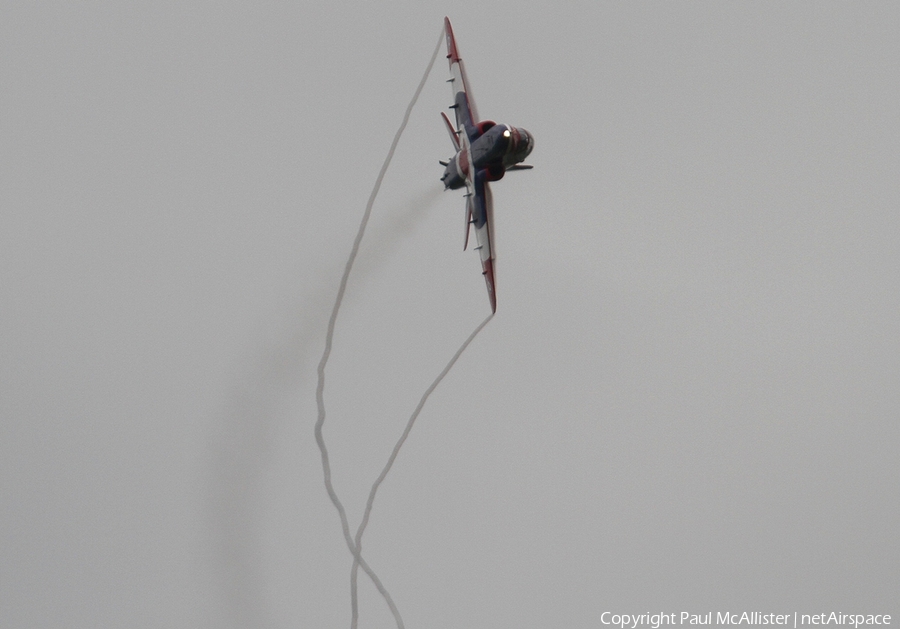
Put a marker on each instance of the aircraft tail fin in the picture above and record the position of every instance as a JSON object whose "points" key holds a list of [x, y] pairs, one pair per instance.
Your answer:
{"points": [[453, 137]]}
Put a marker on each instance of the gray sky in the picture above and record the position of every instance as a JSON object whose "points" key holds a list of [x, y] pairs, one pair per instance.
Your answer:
{"points": [[688, 399]]}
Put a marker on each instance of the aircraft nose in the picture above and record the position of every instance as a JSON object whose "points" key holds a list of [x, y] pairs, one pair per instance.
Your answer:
{"points": [[529, 140]]}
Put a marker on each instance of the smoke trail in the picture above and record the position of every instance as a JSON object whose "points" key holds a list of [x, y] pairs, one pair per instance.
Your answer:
{"points": [[248, 423], [329, 336], [390, 462], [383, 236]]}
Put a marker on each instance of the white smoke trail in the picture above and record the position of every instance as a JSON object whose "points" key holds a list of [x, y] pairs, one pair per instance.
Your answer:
{"points": [[248, 423], [329, 336], [390, 462], [382, 237]]}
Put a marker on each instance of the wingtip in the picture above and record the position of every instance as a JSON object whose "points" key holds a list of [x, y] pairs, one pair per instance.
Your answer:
{"points": [[489, 280], [452, 52]]}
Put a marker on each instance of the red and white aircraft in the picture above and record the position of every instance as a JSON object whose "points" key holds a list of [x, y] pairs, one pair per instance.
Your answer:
{"points": [[484, 152]]}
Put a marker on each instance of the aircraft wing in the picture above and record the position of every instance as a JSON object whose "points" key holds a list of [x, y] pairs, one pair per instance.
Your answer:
{"points": [[463, 105], [480, 208], [479, 203]]}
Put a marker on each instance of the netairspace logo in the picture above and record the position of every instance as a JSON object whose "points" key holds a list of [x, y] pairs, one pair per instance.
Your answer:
{"points": [[655, 621]]}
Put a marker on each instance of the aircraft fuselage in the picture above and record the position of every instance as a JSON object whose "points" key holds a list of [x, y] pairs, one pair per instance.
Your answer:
{"points": [[498, 148]]}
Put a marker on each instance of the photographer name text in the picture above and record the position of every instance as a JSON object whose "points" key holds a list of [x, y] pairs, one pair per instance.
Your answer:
{"points": [[793, 619]]}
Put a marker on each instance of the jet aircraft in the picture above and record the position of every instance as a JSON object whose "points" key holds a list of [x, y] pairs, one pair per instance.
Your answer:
{"points": [[484, 152]]}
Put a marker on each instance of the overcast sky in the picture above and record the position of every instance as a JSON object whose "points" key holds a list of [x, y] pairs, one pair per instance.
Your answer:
{"points": [[689, 399]]}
